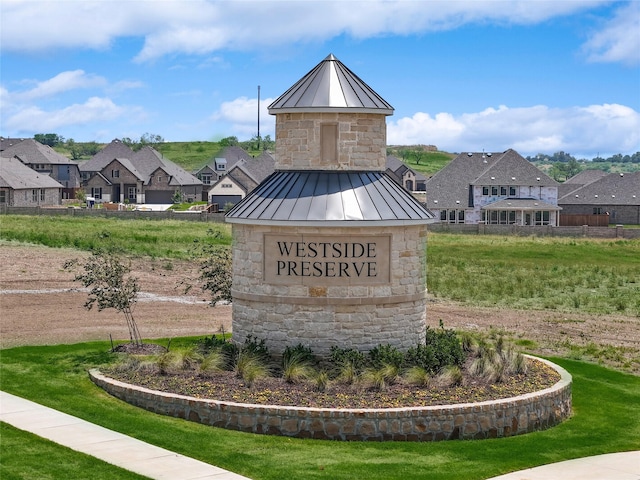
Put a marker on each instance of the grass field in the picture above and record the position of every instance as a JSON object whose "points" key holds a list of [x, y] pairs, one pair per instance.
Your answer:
{"points": [[606, 419], [564, 274]]}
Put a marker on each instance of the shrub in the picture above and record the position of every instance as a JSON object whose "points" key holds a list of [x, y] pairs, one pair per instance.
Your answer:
{"points": [[347, 356], [442, 347], [385, 355]]}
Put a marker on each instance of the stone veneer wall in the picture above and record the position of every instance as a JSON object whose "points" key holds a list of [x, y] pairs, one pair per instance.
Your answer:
{"points": [[500, 418], [362, 141], [359, 316]]}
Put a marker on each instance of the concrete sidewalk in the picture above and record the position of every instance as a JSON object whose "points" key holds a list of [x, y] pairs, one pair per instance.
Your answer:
{"points": [[158, 463], [112, 447], [613, 466]]}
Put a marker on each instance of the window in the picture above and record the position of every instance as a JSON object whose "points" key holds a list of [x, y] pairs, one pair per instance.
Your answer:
{"points": [[42, 194], [512, 191], [3, 196], [452, 216], [597, 210], [494, 216], [227, 185], [132, 193], [503, 216], [494, 190], [503, 191], [115, 173], [96, 192], [542, 218], [159, 178], [34, 195], [221, 164], [512, 217], [485, 191], [206, 178], [328, 143]]}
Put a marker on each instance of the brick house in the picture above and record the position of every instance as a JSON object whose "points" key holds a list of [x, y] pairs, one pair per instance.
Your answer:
{"points": [[141, 177], [493, 188], [46, 161], [593, 192], [21, 186], [403, 174], [241, 179], [222, 164]]}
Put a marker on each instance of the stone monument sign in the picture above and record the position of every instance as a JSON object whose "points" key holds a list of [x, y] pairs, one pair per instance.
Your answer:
{"points": [[329, 250]]}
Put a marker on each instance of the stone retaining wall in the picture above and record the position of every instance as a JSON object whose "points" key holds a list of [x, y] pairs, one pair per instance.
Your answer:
{"points": [[501, 418]]}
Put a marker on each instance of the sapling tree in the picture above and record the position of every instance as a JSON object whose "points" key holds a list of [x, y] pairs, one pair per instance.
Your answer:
{"points": [[214, 260], [104, 273], [215, 272]]}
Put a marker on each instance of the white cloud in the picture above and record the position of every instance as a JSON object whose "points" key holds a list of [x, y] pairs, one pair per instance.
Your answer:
{"points": [[63, 82], [201, 27], [95, 109], [619, 39], [607, 128], [242, 115]]}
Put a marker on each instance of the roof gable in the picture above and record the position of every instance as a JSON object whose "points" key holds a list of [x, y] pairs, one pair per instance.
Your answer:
{"points": [[115, 149], [511, 168]]}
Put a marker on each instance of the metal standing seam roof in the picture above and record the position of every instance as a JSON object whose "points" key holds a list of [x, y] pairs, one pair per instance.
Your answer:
{"points": [[329, 87], [329, 198]]}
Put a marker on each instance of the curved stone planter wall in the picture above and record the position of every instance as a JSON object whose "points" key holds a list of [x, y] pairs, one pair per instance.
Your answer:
{"points": [[501, 418]]}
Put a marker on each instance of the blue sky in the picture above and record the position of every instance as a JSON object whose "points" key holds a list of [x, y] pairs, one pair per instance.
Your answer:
{"points": [[534, 75]]}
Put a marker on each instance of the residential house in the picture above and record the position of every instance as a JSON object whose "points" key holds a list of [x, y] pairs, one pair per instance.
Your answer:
{"points": [[494, 188], [46, 161], [219, 166], [241, 179], [115, 149], [404, 175], [141, 177], [119, 181], [21, 186], [163, 178], [593, 192]]}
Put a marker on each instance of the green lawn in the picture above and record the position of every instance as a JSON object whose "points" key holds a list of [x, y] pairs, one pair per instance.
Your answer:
{"points": [[606, 419], [27, 456]]}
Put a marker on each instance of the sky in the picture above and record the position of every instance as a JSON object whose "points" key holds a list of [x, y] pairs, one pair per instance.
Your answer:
{"points": [[533, 75]]}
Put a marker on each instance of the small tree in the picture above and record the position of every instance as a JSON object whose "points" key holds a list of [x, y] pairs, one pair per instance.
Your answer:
{"points": [[215, 272], [105, 274]]}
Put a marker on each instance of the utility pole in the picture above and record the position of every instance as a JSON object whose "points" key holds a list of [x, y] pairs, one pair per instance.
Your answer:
{"points": [[258, 117]]}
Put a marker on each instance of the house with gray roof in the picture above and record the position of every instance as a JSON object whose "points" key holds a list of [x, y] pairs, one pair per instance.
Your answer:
{"points": [[241, 179], [221, 164], [493, 188], [46, 161], [115, 149], [145, 176], [406, 176], [21, 186], [616, 194]]}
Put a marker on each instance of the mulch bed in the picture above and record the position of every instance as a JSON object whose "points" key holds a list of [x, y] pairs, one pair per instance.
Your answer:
{"points": [[226, 386]]}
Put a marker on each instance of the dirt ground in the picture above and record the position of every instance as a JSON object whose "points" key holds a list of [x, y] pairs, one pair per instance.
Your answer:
{"points": [[40, 304]]}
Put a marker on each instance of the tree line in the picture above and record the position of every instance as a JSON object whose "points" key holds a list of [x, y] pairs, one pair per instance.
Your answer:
{"points": [[567, 157]]}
